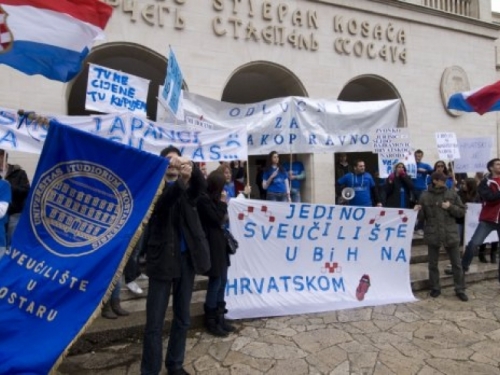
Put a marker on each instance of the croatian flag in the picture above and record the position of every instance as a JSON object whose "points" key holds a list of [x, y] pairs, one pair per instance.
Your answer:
{"points": [[481, 100], [51, 38]]}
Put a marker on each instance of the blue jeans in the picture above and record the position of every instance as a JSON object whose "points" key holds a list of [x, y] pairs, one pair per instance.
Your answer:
{"points": [[216, 289], [295, 195], [483, 229], [276, 197], [11, 227], [156, 308]]}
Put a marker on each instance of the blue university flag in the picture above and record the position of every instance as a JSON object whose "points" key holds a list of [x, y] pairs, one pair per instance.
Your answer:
{"points": [[171, 95], [88, 198]]}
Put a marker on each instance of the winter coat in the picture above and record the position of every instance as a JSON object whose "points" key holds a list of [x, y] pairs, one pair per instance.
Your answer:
{"points": [[213, 216], [440, 225], [176, 209], [394, 196], [489, 192], [20, 186]]}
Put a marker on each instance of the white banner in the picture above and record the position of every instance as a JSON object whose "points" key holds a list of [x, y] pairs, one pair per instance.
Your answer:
{"points": [[306, 258], [297, 124], [447, 146], [471, 222], [111, 91], [22, 134], [474, 154]]}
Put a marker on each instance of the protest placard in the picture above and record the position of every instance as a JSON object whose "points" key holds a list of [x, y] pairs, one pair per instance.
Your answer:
{"points": [[474, 154], [447, 146], [392, 146], [109, 91], [305, 258]]}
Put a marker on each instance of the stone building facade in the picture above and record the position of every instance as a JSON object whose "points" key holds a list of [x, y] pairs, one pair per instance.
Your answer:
{"points": [[245, 51]]}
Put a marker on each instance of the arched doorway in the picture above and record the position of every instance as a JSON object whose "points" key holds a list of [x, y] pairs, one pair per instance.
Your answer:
{"points": [[126, 57], [371, 88], [263, 80]]}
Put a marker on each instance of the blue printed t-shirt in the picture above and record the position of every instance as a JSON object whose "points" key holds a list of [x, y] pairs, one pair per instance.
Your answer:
{"points": [[362, 185], [278, 185], [5, 196], [297, 169], [420, 182]]}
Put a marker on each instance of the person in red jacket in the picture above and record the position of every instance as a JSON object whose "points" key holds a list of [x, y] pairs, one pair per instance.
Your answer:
{"points": [[489, 192]]}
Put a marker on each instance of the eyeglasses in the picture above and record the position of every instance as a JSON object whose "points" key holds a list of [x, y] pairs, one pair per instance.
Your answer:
{"points": [[440, 166]]}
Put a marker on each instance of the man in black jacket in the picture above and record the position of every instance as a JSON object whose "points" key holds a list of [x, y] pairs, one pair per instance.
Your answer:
{"points": [[20, 187], [176, 250]]}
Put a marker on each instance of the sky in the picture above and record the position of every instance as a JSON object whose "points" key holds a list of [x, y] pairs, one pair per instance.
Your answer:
{"points": [[495, 5]]}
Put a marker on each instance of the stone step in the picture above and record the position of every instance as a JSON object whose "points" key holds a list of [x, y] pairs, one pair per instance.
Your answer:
{"points": [[105, 332]]}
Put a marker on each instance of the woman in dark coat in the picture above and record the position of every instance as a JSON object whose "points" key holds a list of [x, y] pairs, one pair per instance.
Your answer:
{"points": [[212, 208], [399, 188]]}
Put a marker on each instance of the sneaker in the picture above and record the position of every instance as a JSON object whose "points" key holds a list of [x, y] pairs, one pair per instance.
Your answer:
{"points": [[419, 232], [134, 288], [435, 293], [142, 277], [462, 296]]}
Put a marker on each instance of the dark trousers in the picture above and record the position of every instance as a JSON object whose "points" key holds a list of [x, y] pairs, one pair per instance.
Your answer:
{"points": [[156, 308], [456, 267], [216, 289]]}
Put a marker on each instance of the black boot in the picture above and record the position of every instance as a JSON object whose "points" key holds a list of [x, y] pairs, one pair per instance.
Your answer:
{"points": [[106, 311], [221, 310], [493, 253], [480, 255], [212, 323], [117, 308]]}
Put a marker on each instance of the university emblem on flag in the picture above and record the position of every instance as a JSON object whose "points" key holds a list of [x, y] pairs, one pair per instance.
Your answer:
{"points": [[79, 206], [6, 38]]}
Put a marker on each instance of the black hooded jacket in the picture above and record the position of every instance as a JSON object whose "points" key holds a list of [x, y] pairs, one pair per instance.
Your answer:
{"points": [[20, 186]]}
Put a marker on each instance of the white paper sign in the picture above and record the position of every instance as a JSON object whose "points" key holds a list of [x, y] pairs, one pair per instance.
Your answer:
{"points": [[471, 222], [474, 154], [297, 124], [306, 258], [447, 146], [110, 91], [393, 146]]}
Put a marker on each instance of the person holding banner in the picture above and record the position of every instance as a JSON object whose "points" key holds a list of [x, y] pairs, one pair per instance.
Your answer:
{"points": [[398, 188], [5, 200], [489, 192], [176, 249], [296, 173], [212, 207], [440, 207], [20, 187], [365, 191], [275, 180]]}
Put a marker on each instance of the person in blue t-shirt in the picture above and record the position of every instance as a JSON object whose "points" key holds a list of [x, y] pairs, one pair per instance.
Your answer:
{"points": [[424, 170], [365, 191], [295, 175], [5, 200], [275, 180]]}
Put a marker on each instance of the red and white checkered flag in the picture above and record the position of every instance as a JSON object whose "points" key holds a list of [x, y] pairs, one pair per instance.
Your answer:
{"points": [[6, 38]]}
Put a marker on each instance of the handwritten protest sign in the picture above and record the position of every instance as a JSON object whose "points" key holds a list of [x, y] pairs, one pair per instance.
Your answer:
{"points": [[447, 146], [471, 222], [171, 95], [392, 146], [109, 91], [474, 154], [297, 124], [194, 142], [304, 258]]}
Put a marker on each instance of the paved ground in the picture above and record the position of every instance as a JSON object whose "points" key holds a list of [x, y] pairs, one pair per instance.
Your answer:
{"points": [[431, 336]]}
